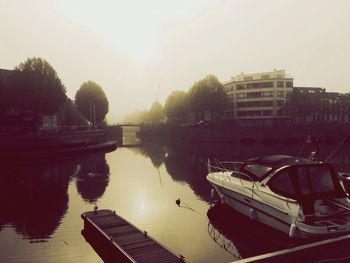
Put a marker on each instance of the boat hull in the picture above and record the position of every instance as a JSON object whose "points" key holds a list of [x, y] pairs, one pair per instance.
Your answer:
{"points": [[253, 209], [275, 218]]}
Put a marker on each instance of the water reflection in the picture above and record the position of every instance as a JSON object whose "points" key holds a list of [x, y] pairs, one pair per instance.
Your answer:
{"points": [[42, 201], [93, 178], [34, 192], [188, 168], [36, 198], [154, 150], [231, 231], [243, 237], [181, 166], [187, 162]]}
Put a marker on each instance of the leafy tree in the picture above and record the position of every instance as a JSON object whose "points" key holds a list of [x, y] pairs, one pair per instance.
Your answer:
{"points": [[303, 103], [72, 116], [156, 113], [91, 98], [37, 87], [176, 106], [207, 95]]}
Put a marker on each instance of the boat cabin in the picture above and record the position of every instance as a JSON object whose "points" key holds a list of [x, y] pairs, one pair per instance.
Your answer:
{"points": [[300, 179]]}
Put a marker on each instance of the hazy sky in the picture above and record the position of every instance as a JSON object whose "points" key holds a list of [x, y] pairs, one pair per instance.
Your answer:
{"points": [[139, 51]]}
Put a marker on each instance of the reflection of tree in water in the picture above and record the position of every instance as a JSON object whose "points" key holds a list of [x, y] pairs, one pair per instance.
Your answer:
{"points": [[187, 162], [93, 177], [34, 196], [191, 169], [154, 150], [181, 166]]}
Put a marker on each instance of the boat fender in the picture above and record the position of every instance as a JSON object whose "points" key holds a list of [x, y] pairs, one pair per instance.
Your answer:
{"points": [[292, 230], [222, 199], [212, 194], [252, 214]]}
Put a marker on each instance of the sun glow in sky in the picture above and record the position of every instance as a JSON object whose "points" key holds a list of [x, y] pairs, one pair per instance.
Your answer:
{"points": [[136, 28], [139, 51]]}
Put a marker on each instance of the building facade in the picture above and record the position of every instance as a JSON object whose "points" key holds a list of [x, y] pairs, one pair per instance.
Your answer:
{"points": [[259, 98], [313, 106]]}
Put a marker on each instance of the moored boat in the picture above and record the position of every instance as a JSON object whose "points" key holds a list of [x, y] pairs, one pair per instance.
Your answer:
{"points": [[52, 143], [300, 197]]}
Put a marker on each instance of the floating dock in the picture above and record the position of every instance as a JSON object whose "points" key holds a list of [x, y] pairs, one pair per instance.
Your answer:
{"points": [[116, 240]]}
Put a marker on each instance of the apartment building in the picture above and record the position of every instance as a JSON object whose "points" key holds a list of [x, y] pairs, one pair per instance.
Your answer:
{"points": [[259, 98]]}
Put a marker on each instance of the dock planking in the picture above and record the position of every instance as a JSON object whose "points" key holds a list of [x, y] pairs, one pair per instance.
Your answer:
{"points": [[117, 240]]}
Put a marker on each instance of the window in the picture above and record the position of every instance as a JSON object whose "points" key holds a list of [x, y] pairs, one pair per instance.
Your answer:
{"points": [[249, 113], [267, 94], [280, 84], [265, 76], [254, 95], [267, 84], [255, 85], [243, 104], [248, 78], [254, 104], [282, 184], [240, 86], [268, 103], [241, 95], [258, 170], [280, 94], [289, 84]]}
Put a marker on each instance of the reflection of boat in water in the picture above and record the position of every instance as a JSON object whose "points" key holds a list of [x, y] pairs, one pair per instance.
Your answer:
{"points": [[223, 241], [242, 238], [300, 197]]}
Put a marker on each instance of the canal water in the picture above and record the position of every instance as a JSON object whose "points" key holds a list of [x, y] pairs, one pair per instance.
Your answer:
{"points": [[41, 202]]}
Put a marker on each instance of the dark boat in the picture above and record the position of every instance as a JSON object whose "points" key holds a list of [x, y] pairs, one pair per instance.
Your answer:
{"points": [[54, 142]]}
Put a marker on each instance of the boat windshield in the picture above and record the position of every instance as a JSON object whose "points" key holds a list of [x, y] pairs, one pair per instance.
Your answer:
{"points": [[258, 170]]}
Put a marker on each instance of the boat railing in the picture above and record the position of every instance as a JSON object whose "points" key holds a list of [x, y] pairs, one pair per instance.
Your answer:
{"points": [[221, 166], [218, 168]]}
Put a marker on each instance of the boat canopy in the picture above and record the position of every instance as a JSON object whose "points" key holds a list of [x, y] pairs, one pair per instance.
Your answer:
{"points": [[307, 181], [259, 167], [277, 161]]}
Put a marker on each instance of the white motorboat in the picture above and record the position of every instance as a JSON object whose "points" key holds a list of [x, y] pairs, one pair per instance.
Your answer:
{"points": [[300, 197]]}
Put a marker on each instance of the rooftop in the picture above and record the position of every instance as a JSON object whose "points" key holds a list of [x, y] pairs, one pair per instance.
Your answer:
{"points": [[275, 74]]}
